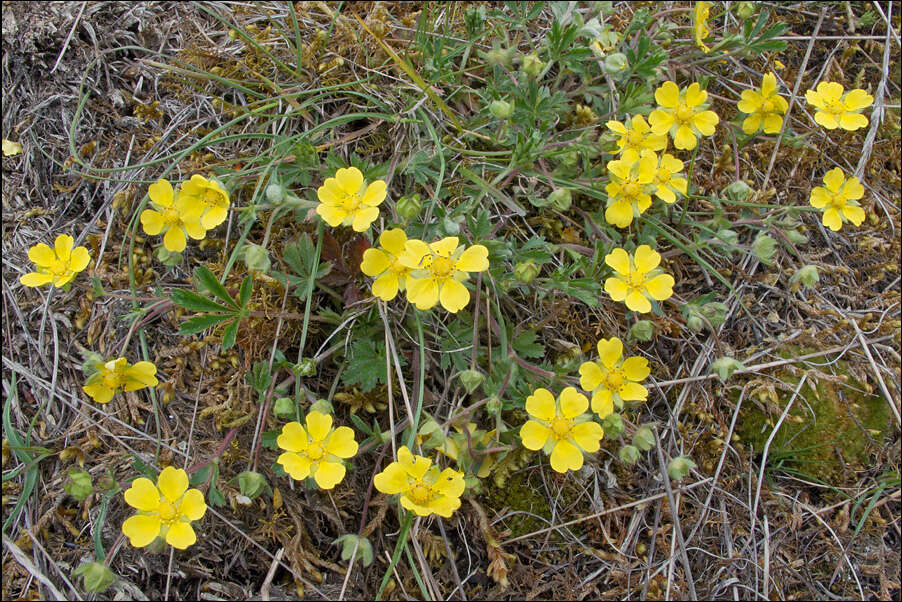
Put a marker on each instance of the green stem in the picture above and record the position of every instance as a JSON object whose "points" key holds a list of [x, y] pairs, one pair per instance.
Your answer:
{"points": [[421, 383], [396, 555], [689, 185], [309, 297]]}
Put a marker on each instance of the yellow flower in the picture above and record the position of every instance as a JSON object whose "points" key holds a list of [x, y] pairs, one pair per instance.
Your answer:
{"points": [[115, 374], [214, 199], [700, 24], [425, 489], [384, 265], [668, 180], [835, 109], [638, 136], [613, 380], [178, 215], [165, 510], [683, 114], [316, 450], [345, 202], [838, 199], [438, 269], [628, 190], [460, 444], [765, 107], [637, 278], [561, 428], [56, 266]]}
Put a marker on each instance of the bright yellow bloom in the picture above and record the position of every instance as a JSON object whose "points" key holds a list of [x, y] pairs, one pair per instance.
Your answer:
{"points": [[438, 269], [629, 188], [668, 180], [56, 266], [177, 215], [838, 199], [384, 264], [345, 202], [700, 23], [638, 136], [425, 489], [316, 450], [682, 114], [765, 107], [212, 195], [637, 278], [164, 510], [613, 380], [115, 374], [561, 427], [835, 109]]}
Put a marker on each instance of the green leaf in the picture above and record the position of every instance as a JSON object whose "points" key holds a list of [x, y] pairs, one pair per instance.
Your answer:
{"points": [[228, 335], [526, 347], [195, 302], [366, 365], [268, 439], [208, 280], [201, 323], [201, 475], [259, 377], [244, 295], [361, 425]]}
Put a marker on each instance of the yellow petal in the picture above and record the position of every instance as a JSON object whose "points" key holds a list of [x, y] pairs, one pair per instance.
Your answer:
{"points": [[341, 443], [637, 302], [445, 506], [41, 255], [852, 121], [590, 376], [646, 259], [602, 403], [79, 259], [213, 217], [152, 222], [610, 351], [392, 480], [194, 228], [63, 247], [414, 252], [752, 123], [161, 193], [99, 392], [35, 279], [417, 509], [364, 217], [619, 214], [474, 259], [329, 474], [772, 123], [181, 535], [819, 197], [293, 438], [621, 167], [830, 90], [143, 374], [827, 120], [393, 241], [684, 139], [834, 179], [297, 466], [660, 121], [375, 262], [450, 483], [445, 247], [174, 240], [633, 392], [695, 95], [318, 425], [422, 292], [587, 436], [330, 193], [375, 194], [573, 403], [143, 495], [768, 84], [854, 214], [852, 189], [617, 127], [541, 404], [350, 179], [857, 100], [141, 530], [193, 505], [566, 456], [534, 435], [660, 287], [416, 466], [636, 368], [386, 286], [750, 101], [332, 215], [832, 220], [668, 95], [172, 483], [454, 296], [616, 288]]}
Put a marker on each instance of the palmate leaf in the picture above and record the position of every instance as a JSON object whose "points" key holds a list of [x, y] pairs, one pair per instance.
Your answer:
{"points": [[229, 334], [195, 302], [208, 280], [201, 323]]}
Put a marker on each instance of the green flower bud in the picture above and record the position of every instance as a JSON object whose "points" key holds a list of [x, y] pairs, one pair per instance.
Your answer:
{"points": [[616, 63], [96, 577], [78, 485], [431, 434], [795, 237], [664, 38], [306, 367], [643, 330], [471, 379], [695, 323], [806, 276], [493, 405], [679, 468], [501, 109], [725, 367], [275, 194], [737, 191], [560, 199], [256, 258], [408, 206], [764, 248], [284, 407], [644, 438], [252, 484], [526, 271], [167, 257], [745, 10], [628, 454], [497, 57], [363, 546], [322, 406], [570, 159], [532, 65], [612, 425]]}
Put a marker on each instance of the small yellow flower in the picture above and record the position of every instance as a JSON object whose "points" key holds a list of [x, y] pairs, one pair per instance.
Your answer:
{"points": [[561, 427], [316, 450], [668, 180], [164, 510], [345, 202], [110, 376], [460, 444], [835, 109], [214, 199], [765, 107], [682, 114], [438, 269], [629, 188], [56, 266], [384, 264], [176, 216], [638, 136], [637, 278], [700, 24], [613, 380], [838, 198], [425, 489]]}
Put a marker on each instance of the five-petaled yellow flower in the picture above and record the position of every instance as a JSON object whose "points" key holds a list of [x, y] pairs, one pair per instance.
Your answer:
{"points": [[165, 510], [212, 195], [765, 107], [56, 266], [177, 215], [637, 278], [110, 376], [682, 114], [613, 380], [837, 199], [316, 450], [425, 489], [835, 109], [668, 180], [438, 269], [638, 136], [345, 202], [629, 188], [700, 24], [384, 264], [561, 427]]}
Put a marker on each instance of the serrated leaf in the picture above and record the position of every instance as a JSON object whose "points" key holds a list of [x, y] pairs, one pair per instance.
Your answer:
{"points": [[244, 294], [526, 346], [216, 498], [195, 302], [366, 365], [209, 281], [229, 334], [200, 476], [201, 323], [268, 439], [361, 425]]}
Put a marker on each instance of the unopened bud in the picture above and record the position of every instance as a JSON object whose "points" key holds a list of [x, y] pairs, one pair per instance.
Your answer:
{"points": [[322, 406], [526, 271], [806, 275], [256, 258], [532, 65], [252, 484], [745, 10], [471, 379], [560, 199], [275, 193], [493, 405], [96, 577], [612, 425], [616, 63], [501, 109], [78, 484], [644, 438], [643, 330], [628, 454], [284, 407], [679, 468], [737, 191], [408, 206]]}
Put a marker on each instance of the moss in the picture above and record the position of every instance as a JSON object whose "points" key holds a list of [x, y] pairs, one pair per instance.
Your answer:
{"points": [[835, 425]]}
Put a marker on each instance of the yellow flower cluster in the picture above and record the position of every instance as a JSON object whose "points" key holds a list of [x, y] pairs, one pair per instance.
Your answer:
{"points": [[199, 205]]}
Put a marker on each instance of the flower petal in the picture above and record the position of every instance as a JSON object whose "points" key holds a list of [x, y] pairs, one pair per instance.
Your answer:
{"points": [[857, 100], [566, 456], [297, 466], [161, 193], [152, 222], [636, 368], [445, 247], [620, 213], [695, 95], [454, 296], [293, 438], [35, 279], [668, 95], [392, 480], [181, 535], [828, 120], [173, 483], [450, 483], [852, 189], [619, 260], [633, 392], [616, 288], [684, 138], [41, 255], [62, 246], [646, 259], [193, 506], [610, 351], [832, 220], [602, 403], [330, 193], [143, 495], [422, 292], [174, 240], [474, 259], [332, 215], [587, 436], [852, 121], [141, 530], [319, 425], [573, 403], [79, 259], [660, 287], [386, 286], [617, 127], [364, 217], [341, 442], [329, 474], [534, 435], [772, 123], [752, 123], [393, 241], [375, 262], [541, 404], [350, 179], [637, 302], [834, 179], [854, 214], [590, 376], [819, 197], [660, 121], [375, 194]]}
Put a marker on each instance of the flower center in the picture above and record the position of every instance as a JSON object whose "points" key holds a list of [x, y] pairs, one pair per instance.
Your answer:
{"points": [[168, 512], [767, 106], [171, 217], [212, 197], [315, 451], [684, 114], [420, 493], [663, 175], [59, 269], [441, 267], [635, 280], [560, 427], [835, 106], [634, 138], [631, 189], [351, 202], [614, 380]]}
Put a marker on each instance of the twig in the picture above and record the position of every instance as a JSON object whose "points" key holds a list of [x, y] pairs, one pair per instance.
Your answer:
{"points": [[867, 352]]}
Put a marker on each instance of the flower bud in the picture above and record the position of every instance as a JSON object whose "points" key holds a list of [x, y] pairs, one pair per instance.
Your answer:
{"points": [[322, 406], [612, 425], [408, 206], [745, 10], [501, 109], [306, 367], [532, 65], [252, 484], [275, 194], [795, 237], [628, 454], [679, 468], [644, 438], [616, 63], [560, 199], [498, 57], [737, 191], [493, 405], [526, 271], [256, 258], [96, 577], [643, 330], [78, 485], [806, 276], [284, 407], [471, 379]]}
